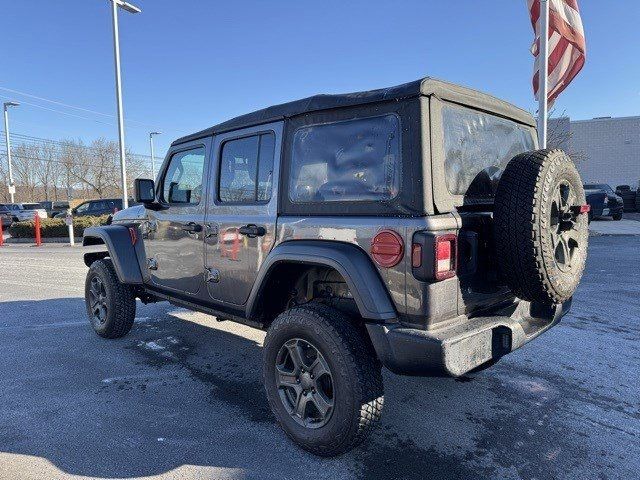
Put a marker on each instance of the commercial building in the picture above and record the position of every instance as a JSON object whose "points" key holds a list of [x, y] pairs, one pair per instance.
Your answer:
{"points": [[606, 149]]}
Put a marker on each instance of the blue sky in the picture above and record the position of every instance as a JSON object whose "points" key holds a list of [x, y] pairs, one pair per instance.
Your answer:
{"points": [[187, 68]]}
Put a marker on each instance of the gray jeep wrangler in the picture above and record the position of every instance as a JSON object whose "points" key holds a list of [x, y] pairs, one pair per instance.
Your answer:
{"points": [[415, 227]]}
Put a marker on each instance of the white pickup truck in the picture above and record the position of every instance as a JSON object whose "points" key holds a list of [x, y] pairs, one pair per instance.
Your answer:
{"points": [[26, 211]]}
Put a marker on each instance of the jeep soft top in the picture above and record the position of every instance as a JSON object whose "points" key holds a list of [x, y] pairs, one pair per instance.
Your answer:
{"points": [[415, 227]]}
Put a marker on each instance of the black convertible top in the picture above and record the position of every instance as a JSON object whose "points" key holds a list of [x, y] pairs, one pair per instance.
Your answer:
{"points": [[424, 86]]}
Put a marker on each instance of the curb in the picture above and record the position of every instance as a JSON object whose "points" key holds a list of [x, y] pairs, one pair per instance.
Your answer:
{"points": [[44, 240]]}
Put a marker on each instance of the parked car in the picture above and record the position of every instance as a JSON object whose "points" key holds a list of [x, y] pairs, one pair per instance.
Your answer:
{"points": [[393, 221], [26, 211], [6, 215], [95, 208], [609, 205], [54, 207]]}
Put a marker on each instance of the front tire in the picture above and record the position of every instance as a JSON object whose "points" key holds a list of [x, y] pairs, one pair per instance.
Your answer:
{"points": [[331, 412], [111, 305], [617, 217]]}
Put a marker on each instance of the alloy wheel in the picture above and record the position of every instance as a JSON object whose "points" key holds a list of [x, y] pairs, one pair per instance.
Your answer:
{"points": [[305, 383], [565, 237], [98, 300]]}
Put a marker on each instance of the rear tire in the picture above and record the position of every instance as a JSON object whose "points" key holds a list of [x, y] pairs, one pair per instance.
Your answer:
{"points": [[617, 216], [111, 305], [541, 240], [353, 386]]}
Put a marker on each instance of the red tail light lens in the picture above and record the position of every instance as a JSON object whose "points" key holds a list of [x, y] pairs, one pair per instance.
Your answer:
{"points": [[445, 252], [133, 234], [416, 255], [387, 248]]}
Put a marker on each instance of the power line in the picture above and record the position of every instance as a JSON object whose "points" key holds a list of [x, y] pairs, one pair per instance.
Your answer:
{"points": [[19, 137], [55, 102]]}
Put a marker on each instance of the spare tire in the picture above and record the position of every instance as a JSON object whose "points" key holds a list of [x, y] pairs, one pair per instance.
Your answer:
{"points": [[541, 236]]}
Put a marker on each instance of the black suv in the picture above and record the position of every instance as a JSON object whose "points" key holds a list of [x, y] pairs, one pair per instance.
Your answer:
{"points": [[95, 208], [609, 205], [415, 227]]}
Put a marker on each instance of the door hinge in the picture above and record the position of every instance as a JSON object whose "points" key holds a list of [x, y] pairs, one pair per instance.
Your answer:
{"points": [[152, 264], [210, 230], [211, 275]]}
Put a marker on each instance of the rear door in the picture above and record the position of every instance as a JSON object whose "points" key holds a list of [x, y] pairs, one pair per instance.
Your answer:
{"points": [[173, 238], [242, 210]]}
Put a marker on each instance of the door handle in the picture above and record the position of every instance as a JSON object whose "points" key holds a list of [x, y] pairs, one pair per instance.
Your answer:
{"points": [[192, 227], [252, 231]]}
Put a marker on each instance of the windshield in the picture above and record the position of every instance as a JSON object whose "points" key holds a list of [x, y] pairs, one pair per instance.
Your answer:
{"points": [[477, 148]]}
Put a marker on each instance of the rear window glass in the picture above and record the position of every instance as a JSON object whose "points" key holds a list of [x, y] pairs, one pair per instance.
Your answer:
{"points": [[477, 148], [355, 160]]}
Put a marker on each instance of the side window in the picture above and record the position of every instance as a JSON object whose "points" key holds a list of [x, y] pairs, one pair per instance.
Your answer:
{"points": [[354, 160], [97, 206], [83, 208], [246, 169], [183, 179]]}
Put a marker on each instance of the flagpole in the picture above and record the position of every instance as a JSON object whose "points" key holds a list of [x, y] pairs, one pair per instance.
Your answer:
{"points": [[543, 73]]}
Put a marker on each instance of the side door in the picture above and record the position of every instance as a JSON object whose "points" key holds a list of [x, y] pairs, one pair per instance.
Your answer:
{"points": [[173, 238], [242, 210]]}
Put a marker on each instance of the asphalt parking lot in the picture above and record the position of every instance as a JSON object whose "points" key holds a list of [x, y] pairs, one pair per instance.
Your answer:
{"points": [[180, 396]]}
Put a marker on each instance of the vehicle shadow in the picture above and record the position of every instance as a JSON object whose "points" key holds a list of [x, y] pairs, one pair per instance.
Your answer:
{"points": [[178, 392]]}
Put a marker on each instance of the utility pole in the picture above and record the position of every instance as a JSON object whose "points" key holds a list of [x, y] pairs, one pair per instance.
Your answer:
{"points": [[12, 187], [115, 4], [153, 164], [543, 73]]}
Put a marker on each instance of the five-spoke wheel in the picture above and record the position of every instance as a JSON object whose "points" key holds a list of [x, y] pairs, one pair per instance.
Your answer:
{"points": [[305, 384], [97, 300], [565, 236]]}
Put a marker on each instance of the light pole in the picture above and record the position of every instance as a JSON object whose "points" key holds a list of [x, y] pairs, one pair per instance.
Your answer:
{"points": [[12, 187], [153, 165], [116, 52]]}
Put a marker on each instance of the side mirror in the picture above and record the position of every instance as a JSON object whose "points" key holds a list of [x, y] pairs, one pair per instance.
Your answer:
{"points": [[144, 190]]}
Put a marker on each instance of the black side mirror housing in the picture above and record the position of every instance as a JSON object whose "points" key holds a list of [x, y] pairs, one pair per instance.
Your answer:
{"points": [[144, 190], [145, 193]]}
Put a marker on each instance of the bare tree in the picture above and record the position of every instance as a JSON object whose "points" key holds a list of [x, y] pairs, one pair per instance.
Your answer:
{"points": [[559, 136]]}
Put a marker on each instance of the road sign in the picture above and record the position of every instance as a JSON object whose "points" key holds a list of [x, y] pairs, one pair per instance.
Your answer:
{"points": [[12, 189], [68, 220]]}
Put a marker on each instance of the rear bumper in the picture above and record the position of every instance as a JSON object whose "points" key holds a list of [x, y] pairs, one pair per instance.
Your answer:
{"points": [[464, 344]]}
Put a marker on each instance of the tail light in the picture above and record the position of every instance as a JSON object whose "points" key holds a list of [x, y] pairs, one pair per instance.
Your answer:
{"points": [[446, 253], [387, 248], [433, 256], [133, 235]]}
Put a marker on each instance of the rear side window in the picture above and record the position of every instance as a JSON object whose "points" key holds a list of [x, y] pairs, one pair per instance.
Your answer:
{"points": [[477, 148], [183, 180], [246, 169], [354, 160]]}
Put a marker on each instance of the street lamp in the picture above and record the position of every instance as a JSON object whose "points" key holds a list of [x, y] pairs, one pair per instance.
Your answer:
{"points": [[116, 52], [153, 165], [12, 187]]}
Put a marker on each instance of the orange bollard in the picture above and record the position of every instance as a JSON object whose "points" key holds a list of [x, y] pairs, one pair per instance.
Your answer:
{"points": [[1, 234], [236, 246], [37, 229]]}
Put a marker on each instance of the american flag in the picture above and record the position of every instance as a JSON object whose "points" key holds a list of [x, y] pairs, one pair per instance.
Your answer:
{"points": [[567, 48]]}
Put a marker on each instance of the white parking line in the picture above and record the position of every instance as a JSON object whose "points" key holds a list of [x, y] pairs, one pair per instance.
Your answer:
{"points": [[65, 324]]}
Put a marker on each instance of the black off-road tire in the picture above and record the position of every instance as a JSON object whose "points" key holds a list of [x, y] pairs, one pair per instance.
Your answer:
{"points": [[356, 372], [119, 300], [629, 199], [617, 217], [527, 231]]}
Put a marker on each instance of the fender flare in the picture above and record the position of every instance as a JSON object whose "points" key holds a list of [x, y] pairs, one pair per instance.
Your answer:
{"points": [[117, 239], [355, 266]]}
